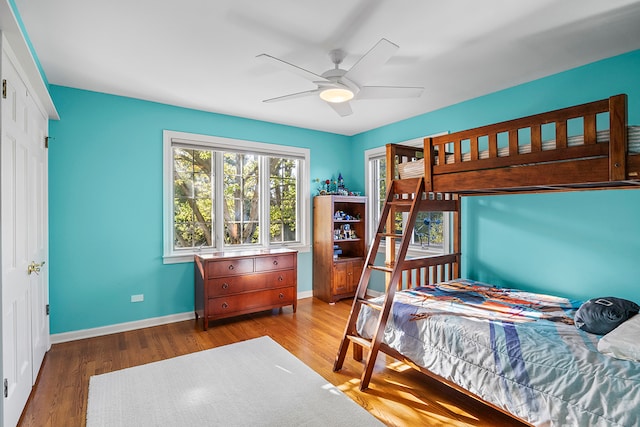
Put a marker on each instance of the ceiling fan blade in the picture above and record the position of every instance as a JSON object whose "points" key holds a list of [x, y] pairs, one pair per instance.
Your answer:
{"points": [[373, 92], [292, 96], [306, 74], [342, 108], [375, 58]]}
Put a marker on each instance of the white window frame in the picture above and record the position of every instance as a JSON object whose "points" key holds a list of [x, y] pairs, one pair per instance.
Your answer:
{"points": [[172, 255], [414, 249]]}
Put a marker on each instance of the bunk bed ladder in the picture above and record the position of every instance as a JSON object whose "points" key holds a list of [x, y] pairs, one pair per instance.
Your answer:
{"points": [[402, 195]]}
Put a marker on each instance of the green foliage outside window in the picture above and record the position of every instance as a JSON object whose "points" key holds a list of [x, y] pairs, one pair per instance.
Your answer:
{"points": [[194, 198], [241, 199], [283, 199], [192, 203]]}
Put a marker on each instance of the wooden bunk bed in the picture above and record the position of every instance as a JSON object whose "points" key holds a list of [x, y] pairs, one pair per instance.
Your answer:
{"points": [[511, 156]]}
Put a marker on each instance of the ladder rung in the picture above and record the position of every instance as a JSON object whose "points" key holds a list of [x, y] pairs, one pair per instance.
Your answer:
{"points": [[393, 235], [369, 303], [381, 268], [359, 340], [403, 202]]}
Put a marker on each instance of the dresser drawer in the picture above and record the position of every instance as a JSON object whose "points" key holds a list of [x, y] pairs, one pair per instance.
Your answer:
{"points": [[229, 267], [250, 302], [237, 284], [275, 262]]}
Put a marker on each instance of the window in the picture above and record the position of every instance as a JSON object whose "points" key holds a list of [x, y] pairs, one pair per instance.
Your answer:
{"points": [[241, 213], [223, 194], [431, 230], [283, 175], [192, 197]]}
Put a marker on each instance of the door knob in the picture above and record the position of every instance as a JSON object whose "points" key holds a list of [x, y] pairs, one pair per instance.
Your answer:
{"points": [[34, 268]]}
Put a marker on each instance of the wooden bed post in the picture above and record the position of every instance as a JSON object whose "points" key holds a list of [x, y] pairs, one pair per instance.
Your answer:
{"points": [[457, 218], [390, 244], [428, 164], [618, 137]]}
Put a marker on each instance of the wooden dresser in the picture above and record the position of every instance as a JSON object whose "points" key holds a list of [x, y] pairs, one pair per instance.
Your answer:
{"points": [[233, 283]]}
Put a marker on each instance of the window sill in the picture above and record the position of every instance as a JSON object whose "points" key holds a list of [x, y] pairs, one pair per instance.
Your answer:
{"points": [[413, 251], [188, 257]]}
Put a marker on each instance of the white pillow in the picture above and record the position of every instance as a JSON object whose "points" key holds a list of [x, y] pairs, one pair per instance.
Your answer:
{"points": [[623, 342]]}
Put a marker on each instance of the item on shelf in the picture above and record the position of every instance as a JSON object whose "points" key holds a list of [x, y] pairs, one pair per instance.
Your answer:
{"points": [[340, 215], [333, 187]]}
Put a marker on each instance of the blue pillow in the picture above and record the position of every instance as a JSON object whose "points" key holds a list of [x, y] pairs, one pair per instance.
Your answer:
{"points": [[602, 315]]}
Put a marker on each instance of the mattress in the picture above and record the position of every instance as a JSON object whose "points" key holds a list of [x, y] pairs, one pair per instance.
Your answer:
{"points": [[517, 350]]}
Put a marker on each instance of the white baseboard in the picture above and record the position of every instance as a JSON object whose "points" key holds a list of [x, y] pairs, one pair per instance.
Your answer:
{"points": [[305, 294], [130, 326], [120, 327]]}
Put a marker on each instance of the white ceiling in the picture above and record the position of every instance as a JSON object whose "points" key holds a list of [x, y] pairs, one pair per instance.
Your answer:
{"points": [[201, 53]]}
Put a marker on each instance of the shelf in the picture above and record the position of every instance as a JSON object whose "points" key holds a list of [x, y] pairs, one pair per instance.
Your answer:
{"points": [[347, 220], [348, 258]]}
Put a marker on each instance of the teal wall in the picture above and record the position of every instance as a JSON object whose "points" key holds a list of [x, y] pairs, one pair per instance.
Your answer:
{"points": [[579, 244], [105, 204], [105, 192]]}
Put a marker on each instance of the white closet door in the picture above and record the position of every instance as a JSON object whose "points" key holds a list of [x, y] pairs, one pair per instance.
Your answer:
{"points": [[23, 200], [37, 227]]}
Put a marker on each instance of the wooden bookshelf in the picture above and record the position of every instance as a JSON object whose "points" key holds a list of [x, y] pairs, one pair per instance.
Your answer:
{"points": [[339, 245]]}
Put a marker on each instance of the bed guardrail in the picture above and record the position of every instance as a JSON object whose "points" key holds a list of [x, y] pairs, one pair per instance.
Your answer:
{"points": [[468, 152], [428, 270]]}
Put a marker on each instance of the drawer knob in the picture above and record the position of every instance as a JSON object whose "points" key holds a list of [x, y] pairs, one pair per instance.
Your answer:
{"points": [[280, 278], [281, 295], [230, 266], [225, 286], [275, 262], [225, 305]]}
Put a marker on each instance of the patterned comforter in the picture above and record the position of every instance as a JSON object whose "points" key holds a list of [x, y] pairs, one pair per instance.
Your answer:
{"points": [[517, 350]]}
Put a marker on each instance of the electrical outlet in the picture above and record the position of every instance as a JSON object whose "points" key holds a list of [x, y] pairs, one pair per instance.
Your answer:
{"points": [[137, 298]]}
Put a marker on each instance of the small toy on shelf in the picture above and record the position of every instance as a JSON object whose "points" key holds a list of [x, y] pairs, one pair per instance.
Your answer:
{"points": [[332, 186]]}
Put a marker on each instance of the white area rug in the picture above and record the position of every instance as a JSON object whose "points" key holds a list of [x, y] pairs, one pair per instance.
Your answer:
{"points": [[250, 383]]}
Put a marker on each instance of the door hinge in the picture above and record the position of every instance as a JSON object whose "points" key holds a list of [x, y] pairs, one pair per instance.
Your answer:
{"points": [[47, 309], [4, 88], [6, 387], [46, 142]]}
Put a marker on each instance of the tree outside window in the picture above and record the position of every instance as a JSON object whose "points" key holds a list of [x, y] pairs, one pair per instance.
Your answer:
{"points": [[193, 197], [243, 175], [283, 209], [241, 199]]}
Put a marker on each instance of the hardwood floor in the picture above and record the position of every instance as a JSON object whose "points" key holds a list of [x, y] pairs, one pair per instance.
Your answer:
{"points": [[398, 395]]}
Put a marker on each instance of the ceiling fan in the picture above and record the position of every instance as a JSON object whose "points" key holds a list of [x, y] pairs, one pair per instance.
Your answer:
{"points": [[337, 86]]}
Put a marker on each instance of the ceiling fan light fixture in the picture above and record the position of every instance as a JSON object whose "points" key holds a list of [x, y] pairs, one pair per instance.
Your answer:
{"points": [[336, 95]]}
